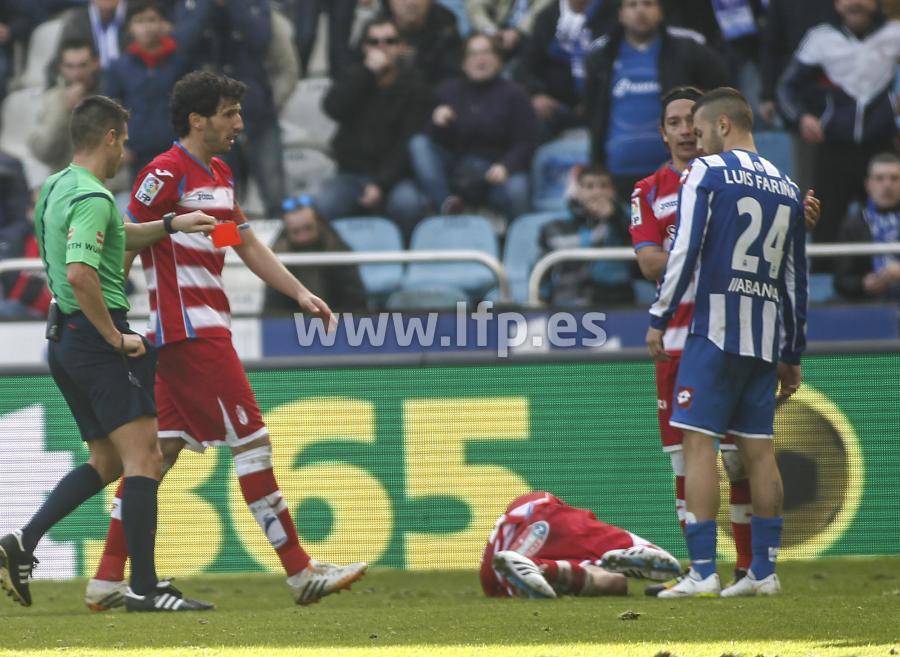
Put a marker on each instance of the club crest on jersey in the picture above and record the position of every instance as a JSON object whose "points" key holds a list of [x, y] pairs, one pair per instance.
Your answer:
{"points": [[533, 539], [148, 189], [685, 397]]}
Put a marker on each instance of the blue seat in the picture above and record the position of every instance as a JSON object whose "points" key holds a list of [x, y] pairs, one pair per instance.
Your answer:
{"points": [[775, 146], [821, 288], [522, 250], [550, 171], [426, 298], [452, 232], [374, 234], [644, 293]]}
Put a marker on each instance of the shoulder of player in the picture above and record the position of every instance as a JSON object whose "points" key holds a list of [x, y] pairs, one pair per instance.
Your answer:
{"points": [[219, 165]]}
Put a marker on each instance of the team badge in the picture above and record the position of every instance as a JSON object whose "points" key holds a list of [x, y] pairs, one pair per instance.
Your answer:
{"points": [[148, 189], [100, 237], [70, 234], [685, 397], [533, 539]]}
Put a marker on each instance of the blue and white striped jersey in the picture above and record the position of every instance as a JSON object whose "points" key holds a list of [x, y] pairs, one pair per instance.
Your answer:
{"points": [[740, 232]]}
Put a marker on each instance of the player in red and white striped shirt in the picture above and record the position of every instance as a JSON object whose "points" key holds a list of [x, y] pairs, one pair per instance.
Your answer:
{"points": [[654, 205], [202, 392]]}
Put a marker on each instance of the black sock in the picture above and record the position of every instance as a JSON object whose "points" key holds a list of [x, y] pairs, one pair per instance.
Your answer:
{"points": [[139, 524], [72, 491]]}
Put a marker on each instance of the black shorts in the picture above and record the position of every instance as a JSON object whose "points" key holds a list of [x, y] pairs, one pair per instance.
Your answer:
{"points": [[103, 389]]}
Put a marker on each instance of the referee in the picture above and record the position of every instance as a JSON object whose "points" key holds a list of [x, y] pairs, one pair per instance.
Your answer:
{"points": [[104, 370]]}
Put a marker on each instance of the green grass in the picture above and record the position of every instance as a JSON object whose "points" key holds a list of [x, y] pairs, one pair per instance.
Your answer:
{"points": [[831, 608]]}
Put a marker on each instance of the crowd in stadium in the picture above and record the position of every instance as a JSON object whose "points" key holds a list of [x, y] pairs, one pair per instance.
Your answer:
{"points": [[534, 117]]}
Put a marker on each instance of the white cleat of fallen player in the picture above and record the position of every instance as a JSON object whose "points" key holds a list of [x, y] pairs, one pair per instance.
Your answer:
{"points": [[523, 574], [692, 586], [642, 562], [102, 595], [319, 579], [749, 585]]}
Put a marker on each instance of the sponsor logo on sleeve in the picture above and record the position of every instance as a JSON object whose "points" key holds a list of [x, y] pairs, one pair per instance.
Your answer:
{"points": [[162, 173], [100, 237], [685, 396], [148, 189], [636, 218]]}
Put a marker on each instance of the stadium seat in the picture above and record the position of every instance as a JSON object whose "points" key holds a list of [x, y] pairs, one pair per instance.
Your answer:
{"points": [[775, 146], [303, 121], [305, 169], [821, 288], [522, 250], [18, 119], [453, 232], [374, 234], [644, 293], [41, 49], [550, 171], [426, 298]]}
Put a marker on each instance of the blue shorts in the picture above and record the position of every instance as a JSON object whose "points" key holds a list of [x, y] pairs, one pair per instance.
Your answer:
{"points": [[103, 389], [719, 393]]}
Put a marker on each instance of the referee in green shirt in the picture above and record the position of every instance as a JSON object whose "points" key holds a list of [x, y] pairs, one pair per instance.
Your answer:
{"points": [[104, 370]]}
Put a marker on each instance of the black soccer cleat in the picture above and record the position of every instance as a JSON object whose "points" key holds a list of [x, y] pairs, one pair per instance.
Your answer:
{"points": [[16, 566], [165, 598]]}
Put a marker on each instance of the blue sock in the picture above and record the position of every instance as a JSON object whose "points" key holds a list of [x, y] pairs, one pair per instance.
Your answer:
{"points": [[139, 524], [765, 537], [78, 486], [701, 544]]}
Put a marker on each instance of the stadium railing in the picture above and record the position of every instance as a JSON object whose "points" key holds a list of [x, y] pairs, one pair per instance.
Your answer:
{"points": [[542, 266]]}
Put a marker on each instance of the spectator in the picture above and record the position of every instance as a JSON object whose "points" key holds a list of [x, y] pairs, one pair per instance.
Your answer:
{"points": [[340, 23], [239, 42], [144, 76], [552, 67], [874, 277], [507, 21], [14, 26], [479, 144], [25, 294], [838, 90], [101, 22], [378, 104], [429, 32], [306, 232], [282, 63], [626, 77], [78, 77], [786, 23], [597, 220]]}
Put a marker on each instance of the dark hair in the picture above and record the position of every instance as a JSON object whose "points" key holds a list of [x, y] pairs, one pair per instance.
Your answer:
{"points": [[677, 93], [494, 42], [92, 118], [136, 7], [76, 43], [201, 92], [591, 170], [882, 158], [731, 103]]}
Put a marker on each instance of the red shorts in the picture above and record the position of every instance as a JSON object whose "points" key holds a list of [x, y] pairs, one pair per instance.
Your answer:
{"points": [[666, 373], [203, 395]]}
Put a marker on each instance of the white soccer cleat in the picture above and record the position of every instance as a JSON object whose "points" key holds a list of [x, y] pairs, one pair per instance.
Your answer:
{"points": [[642, 562], [523, 574], [691, 586], [749, 585], [103, 595], [320, 579]]}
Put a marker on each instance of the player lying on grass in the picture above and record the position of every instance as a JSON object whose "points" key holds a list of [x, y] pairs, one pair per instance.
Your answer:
{"points": [[542, 547]]}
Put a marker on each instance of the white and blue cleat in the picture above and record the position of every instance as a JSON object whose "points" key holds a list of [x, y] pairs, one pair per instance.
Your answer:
{"points": [[523, 574], [642, 562]]}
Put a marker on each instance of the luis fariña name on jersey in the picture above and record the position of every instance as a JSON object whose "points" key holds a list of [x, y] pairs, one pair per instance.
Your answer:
{"points": [[750, 179]]}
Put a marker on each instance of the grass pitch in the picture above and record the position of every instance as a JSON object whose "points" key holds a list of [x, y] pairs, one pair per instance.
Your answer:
{"points": [[830, 608]]}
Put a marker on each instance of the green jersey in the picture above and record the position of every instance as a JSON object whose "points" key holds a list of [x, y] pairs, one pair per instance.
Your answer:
{"points": [[76, 220]]}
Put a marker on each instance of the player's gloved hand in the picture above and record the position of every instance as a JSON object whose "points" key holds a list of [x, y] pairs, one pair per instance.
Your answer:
{"points": [[313, 305], [789, 378], [194, 222], [812, 209], [655, 344]]}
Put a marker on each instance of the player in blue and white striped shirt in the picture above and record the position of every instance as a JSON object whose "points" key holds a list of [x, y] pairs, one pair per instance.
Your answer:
{"points": [[741, 235]]}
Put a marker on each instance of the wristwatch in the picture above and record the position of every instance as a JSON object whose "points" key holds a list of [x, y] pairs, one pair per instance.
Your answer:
{"points": [[168, 218]]}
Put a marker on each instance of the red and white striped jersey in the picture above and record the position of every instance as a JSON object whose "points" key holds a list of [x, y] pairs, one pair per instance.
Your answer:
{"points": [[184, 271], [654, 211]]}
